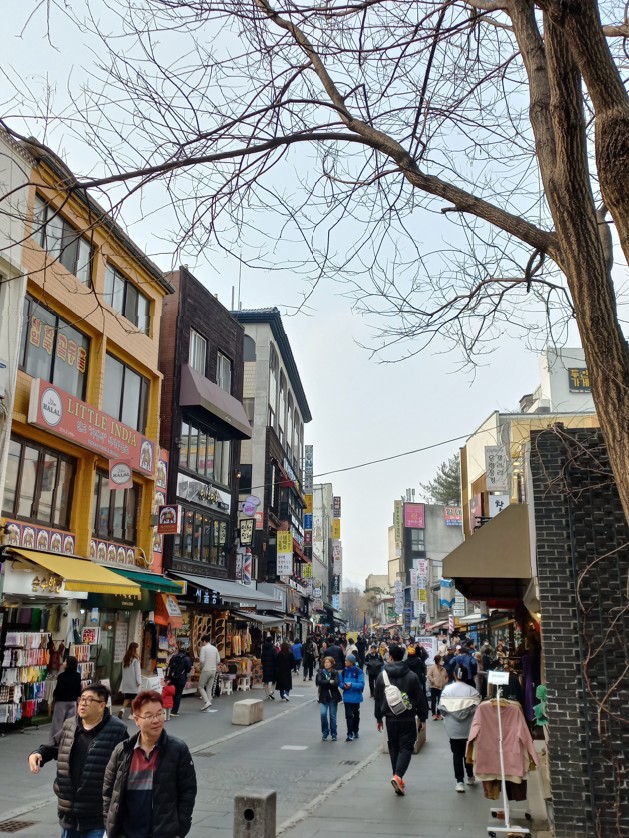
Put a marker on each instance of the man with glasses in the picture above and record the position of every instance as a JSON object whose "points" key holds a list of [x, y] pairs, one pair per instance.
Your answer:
{"points": [[82, 749], [150, 782]]}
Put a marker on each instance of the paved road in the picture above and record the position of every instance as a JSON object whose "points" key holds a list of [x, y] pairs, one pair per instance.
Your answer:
{"points": [[322, 787]]}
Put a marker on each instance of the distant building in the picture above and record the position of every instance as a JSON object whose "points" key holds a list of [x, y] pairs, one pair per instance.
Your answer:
{"points": [[377, 580]]}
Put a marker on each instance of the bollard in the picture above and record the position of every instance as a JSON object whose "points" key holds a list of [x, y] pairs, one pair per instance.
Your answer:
{"points": [[255, 814]]}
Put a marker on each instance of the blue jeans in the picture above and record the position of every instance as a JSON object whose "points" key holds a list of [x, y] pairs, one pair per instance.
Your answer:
{"points": [[329, 707], [88, 833]]}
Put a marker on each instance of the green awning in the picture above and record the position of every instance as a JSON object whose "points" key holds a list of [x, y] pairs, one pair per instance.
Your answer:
{"points": [[151, 581]]}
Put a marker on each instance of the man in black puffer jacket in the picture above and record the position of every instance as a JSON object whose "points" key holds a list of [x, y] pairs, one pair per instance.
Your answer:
{"points": [[401, 728], [82, 749], [150, 783]]}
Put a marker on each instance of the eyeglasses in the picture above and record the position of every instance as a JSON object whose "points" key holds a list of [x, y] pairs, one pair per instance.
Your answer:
{"points": [[90, 701], [153, 718]]}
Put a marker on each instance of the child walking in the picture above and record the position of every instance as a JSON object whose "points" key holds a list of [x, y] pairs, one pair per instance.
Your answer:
{"points": [[168, 697]]}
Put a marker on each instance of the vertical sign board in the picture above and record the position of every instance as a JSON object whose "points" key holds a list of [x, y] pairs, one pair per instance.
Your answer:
{"points": [[397, 522], [336, 506], [496, 468], [308, 469], [414, 516]]}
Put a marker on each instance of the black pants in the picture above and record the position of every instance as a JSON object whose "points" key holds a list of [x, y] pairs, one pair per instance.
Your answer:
{"points": [[458, 746], [352, 717], [435, 695], [401, 734], [177, 697], [297, 665], [372, 683], [308, 668]]}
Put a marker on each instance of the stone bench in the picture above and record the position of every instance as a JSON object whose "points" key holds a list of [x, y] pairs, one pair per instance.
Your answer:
{"points": [[248, 711]]}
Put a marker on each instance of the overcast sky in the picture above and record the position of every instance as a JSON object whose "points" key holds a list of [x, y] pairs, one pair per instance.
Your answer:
{"points": [[362, 410]]}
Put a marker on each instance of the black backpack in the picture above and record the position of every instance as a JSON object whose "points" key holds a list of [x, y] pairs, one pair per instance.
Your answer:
{"points": [[176, 668]]}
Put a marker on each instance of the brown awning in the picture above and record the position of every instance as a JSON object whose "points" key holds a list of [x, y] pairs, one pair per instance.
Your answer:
{"points": [[198, 391], [494, 562]]}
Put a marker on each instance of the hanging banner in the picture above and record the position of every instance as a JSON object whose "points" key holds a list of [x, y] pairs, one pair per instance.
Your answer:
{"points": [[414, 516], [168, 519], [336, 584], [336, 506], [446, 593], [336, 528], [285, 542], [496, 468], [307, 571], [284, 564], [308, 521], [246, 531], [397, 521], [308, 502], [308, 470]]}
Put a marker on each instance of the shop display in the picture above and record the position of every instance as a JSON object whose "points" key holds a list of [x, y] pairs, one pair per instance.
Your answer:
{"points": [[23, 674], [85, 668]]}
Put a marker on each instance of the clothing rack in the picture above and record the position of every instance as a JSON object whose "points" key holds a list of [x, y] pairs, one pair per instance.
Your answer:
{"points": [[508, 828]]}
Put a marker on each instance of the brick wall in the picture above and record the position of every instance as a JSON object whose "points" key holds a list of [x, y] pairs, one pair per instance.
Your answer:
{"points": [[583, 557]]}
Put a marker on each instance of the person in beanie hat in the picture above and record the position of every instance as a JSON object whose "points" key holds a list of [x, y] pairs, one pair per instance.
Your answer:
{"points": [[352, 685]]}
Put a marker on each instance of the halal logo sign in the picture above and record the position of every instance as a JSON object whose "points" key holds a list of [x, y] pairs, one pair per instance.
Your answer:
{"points": [[51, 407], [121, 474]]}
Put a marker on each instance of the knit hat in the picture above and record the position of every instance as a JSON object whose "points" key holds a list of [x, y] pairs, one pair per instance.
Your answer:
{"points": [[350, 658]]}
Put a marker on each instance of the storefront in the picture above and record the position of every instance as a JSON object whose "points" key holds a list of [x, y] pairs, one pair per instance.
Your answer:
{"points": [[44, 599]]}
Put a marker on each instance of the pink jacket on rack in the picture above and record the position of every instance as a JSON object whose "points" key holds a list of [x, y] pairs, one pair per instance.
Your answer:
{"points": [[517, 742]]}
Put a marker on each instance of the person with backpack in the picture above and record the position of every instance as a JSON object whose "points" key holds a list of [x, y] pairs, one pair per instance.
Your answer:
{"points": [[310, 656], [402, 702], [177, 672], [352, 680]]}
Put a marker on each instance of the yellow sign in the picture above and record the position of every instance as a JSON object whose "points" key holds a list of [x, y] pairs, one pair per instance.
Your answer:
{"points": [[422, 594], [336, 528], [308, 502], [285, 541], [307, 571], [52, 584]]}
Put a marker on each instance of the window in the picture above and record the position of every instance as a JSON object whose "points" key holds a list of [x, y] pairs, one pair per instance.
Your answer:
{"points": [[125, 394], [281, 409], [198, 352], [223, 372], [38, 484], [203, 454], [289, 427], [203, 538], [62, 241], [249, 406], [417, 541], [273, 388], [115, 511], [123, 296], [249, 349], [52, 349], [244, 485]]}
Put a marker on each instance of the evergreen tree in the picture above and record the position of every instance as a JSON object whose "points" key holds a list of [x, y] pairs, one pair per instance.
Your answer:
{"points": [[446, 486]]}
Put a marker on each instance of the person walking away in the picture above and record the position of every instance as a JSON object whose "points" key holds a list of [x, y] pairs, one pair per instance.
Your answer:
{"points": [[168, 697], [82, 749], [177, 672], [310, 655], [327, 682], [373, 664], [335, 651], [209, 659], [150, 782], [417, 664], [457, 705], [351, 649], [285, 662], [465, 660], [361, 649], [323, 653], [480, 679], [268, 657], [65, 696], [297, 651], [402, 727], [131, 677], [437, 678], [352, 681]]}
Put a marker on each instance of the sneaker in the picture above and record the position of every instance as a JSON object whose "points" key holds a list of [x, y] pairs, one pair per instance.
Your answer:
{"points": [[324, 738], [349, 737], [334, 738], [435, 718], [206, 705], [174, 715], [440, 717], [356, 736], [398, 784], [121, 714], [470, 780], [272, 697], [460, 787]]}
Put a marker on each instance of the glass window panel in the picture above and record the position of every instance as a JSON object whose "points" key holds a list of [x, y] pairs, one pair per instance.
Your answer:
{"points": [[214, 546], [188, 533], [61, 514], [103, 500], [70, 248], [197, 354], [48, 481], [209, 456], [193, 450], [183, 449], [223, 372], [202, 447], [131, 400], [198, 536], [54, 234], [119, 509], [144, 314], [10, 486], [206, 541], [84, 262], [27, 482], [40, 339], [112, 387], [131, 304], [39, 221], [131, 514], [222, 541], [70, 367]]}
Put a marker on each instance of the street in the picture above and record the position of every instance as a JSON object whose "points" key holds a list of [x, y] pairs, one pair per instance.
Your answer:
{"points": [[322, 787]]}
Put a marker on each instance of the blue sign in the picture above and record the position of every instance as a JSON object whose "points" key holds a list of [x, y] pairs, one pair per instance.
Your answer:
{"points": [[308, 521]]}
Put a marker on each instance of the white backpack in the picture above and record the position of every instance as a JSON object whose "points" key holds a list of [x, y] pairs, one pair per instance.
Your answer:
{"points": [[397, 700]]}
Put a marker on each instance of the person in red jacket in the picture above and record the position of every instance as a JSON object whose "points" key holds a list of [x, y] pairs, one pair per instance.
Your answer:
{"points": [[168, 696]]}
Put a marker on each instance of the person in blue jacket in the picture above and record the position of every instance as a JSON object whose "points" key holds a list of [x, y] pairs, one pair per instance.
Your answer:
{"points": [[297, 654], [352, 685]]}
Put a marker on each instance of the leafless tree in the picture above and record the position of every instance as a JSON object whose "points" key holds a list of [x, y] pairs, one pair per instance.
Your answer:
{"points": [[510, 117]]}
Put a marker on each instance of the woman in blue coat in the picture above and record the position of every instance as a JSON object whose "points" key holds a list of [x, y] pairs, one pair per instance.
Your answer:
{"points": [[352, 685]]}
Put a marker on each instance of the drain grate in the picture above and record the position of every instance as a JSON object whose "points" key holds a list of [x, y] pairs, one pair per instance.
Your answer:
{"points": [[15, 826], [348, 762]]}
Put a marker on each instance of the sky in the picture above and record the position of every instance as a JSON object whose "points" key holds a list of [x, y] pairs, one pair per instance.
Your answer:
{"points": [[362, 409]]}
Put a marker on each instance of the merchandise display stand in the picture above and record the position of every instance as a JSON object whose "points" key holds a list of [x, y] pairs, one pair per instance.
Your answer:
{"points": [[505, 811]]}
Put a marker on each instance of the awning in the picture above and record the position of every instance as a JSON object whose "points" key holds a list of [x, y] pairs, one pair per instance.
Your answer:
{"points": [[495, 562], [433, 626], [229, 591], [198, 391], [151, 581], [262, 619], [470, 619], [80, 574]]}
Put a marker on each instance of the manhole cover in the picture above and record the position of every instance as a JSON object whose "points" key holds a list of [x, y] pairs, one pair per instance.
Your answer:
{"points": [[348, 762], [15, 826], [205, 754]]}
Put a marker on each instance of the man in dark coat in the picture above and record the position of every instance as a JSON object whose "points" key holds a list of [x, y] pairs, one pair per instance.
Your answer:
{"points": [[178, 668], [150, 783], [268, 656], [401, 728], [361, 648], [335, 651], [82, 749]]}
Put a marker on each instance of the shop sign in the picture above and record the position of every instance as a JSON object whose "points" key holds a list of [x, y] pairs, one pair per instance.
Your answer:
{"points": [[453, 516], [205, 596], [414, 516], [161, 480], [307, 571], [458, 609], [579, 380], [422, 595], [336, 601], [413, 578], [317, 604], [308, 538], [198, 491], [48, 583], [422, 567], [317, 589], [285, 541], [397, 521], [19, 534], [336, 528], [336, 506], [497, 503], [169, 519], [246, 531], [120, 475], [249, 505], [284, 564], [308, 505], [337, 565], [476, 510], [336, 584], [496, 468], [21, 580], [259, 518], [308, 470], [107, 551], [308, 521], [61, 414]]}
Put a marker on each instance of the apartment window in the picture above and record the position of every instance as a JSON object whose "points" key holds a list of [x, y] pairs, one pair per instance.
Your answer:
{"points": [[202, 453], [52, 349], [249, 406], [125, 395], [198, 352], [249, 349], [115, 511], [417, 541], [273, 388], [223, 372], [62, 241], [281, 409], [244, 485], [38, 484], [203, 538], [124, 297], [289, 426]]}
